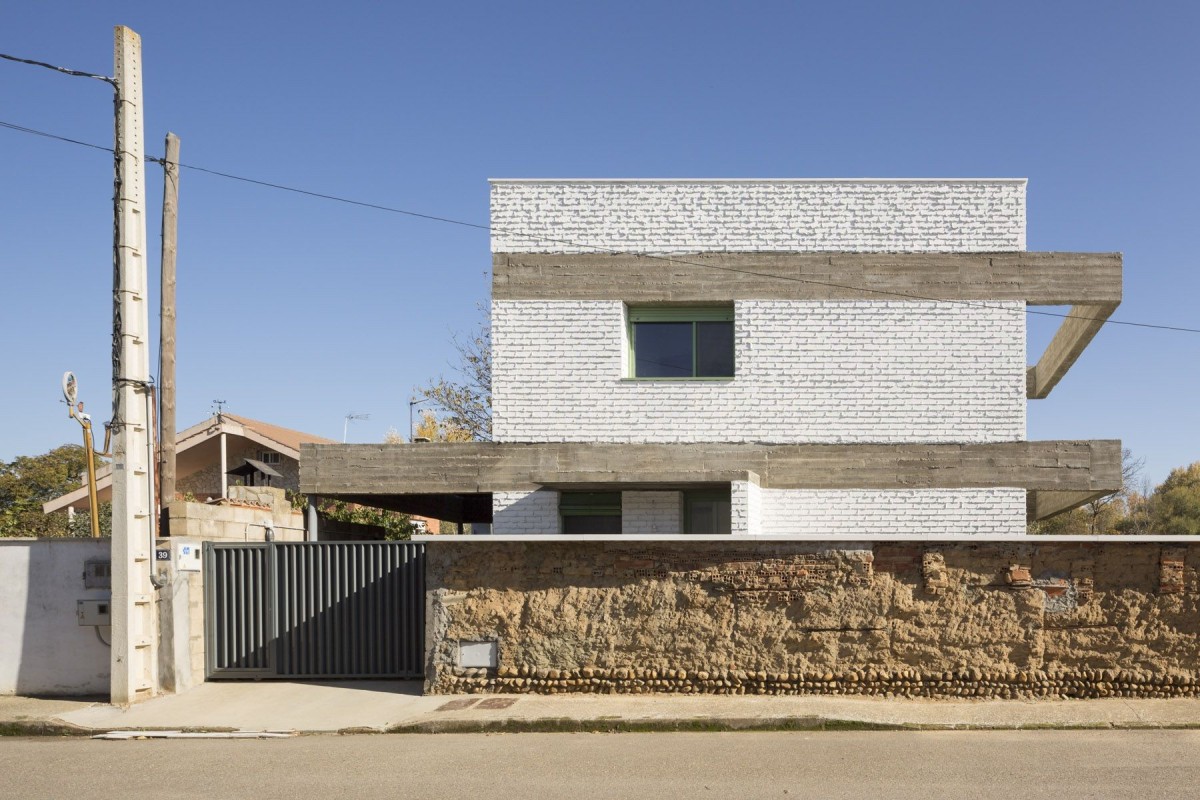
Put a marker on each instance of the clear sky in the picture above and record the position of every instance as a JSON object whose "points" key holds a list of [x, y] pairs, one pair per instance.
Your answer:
{"points": [[300, 311]]}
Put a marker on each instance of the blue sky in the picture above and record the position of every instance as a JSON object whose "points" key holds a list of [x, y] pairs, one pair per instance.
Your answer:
{"points": [[299, 311]]}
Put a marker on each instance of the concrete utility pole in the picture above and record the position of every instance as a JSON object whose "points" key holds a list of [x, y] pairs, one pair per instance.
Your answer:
{"points": [[166, 336], [134, 675]]}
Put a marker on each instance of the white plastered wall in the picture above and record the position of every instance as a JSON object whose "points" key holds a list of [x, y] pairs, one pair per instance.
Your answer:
{"points": [[43, 648]]}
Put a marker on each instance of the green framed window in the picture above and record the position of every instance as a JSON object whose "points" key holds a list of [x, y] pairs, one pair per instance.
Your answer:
{"points": [[681, 343], [590, 512], [707, 511]]}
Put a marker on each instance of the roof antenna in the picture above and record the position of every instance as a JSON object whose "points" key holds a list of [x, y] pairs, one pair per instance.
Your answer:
{"points": [[220, 407], [350, 418]]}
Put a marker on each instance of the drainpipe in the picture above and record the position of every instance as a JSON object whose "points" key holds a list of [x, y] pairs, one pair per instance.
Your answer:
{"points": [[224, 466], [310, 525]]}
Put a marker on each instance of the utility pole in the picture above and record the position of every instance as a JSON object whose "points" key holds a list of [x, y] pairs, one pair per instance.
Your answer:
{"points": [[166, 337], [134, 674]]}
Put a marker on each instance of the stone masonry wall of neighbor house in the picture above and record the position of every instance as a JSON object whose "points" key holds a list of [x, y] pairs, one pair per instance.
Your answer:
{"points": [[207, 481], [806, 371], [781, 215], [820, 512], [991, 620]]}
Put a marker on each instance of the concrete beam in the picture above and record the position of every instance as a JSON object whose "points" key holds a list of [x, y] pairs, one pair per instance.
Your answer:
{"points": [[1037, 278], [1042, 505], [476, 467], [1083, 322]]}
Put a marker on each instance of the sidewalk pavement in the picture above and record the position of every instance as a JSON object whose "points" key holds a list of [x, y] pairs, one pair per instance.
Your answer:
{"points": [[398, 706]]}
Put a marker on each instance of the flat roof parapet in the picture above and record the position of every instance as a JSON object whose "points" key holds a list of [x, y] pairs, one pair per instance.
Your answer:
{"points": [[758, 215]]}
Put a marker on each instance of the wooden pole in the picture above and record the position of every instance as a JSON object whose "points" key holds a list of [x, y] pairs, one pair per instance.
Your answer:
{"points": [[166, 348]]}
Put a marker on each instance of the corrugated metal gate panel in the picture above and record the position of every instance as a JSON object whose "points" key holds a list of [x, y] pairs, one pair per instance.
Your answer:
{"points": [[315, 610]]}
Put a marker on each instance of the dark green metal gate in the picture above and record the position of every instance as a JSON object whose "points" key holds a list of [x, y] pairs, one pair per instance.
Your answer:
{"points": [[314, 610]]}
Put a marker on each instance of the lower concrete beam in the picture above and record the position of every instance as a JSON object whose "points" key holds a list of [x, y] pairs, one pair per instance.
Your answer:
{"points": [[1045, 504], [477, 467]]}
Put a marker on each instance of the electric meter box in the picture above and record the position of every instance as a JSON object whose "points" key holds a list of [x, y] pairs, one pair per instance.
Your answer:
{"points": [[186, 554], [93, 612]]}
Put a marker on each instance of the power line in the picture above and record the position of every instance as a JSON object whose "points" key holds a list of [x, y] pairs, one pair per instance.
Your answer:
{"points": [[601, 250], [64, 70]]}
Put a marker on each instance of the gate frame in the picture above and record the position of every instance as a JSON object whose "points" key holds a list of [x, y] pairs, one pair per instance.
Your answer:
{"points": [[272, 612]]}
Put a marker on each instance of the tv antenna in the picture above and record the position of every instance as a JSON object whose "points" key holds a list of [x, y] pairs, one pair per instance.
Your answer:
{"points": [[351, 418]]}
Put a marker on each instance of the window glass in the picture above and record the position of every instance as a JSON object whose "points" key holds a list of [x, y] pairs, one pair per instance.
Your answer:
{"points": [[714, 349], [591, 524], [681, 342], [663, 349], [708, 511], [590, 512]]}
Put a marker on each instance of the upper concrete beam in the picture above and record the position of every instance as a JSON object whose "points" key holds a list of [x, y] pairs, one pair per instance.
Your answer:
{"points": [[1082, 324], [1036, 278], [472, 467]]}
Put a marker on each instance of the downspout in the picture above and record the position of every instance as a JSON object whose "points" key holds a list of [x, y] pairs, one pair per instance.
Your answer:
{"points": [[224, 466], [311, 525]]}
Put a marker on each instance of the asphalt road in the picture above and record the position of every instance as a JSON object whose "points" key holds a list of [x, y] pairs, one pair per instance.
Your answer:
{"points": [[962, 765]]}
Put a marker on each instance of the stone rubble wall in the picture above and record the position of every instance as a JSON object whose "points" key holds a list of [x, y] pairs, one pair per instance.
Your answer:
{"points": [[991, 620]]}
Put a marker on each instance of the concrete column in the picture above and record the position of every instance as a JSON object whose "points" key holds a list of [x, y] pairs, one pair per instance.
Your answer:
{"points": [[134, 665]]}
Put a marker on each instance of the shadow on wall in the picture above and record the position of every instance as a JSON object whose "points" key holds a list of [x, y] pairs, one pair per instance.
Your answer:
{"points": [[45, 651]]}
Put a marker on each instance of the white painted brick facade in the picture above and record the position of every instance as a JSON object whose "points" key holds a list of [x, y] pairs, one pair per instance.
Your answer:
{"points": [[651, 512], [746, 507], [807, 371], [686, 216], [822, 512], [998, 512], [524, 512]]}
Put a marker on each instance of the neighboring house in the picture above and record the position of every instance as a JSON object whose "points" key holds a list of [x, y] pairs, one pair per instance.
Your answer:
{"points": [[258, 453], [825, 357]]}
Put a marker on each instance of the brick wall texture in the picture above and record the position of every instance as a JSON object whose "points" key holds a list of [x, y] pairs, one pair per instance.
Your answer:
{"points": [[651, 512], [997, 512], [904, 512], [806, 371], [705, 216]]}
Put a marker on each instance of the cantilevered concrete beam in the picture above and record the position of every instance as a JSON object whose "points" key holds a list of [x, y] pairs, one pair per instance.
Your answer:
{"points": [[1082, 323], [466, 468], [1045, 504], [1036, 278]]}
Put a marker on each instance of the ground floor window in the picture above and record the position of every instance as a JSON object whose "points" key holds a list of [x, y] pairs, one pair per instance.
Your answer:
{"points": [[590, 512], [707, 511]]}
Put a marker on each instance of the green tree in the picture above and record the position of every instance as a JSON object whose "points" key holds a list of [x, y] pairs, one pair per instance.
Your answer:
{"points": [[27, 482], [466, 403], [1175, 506]]}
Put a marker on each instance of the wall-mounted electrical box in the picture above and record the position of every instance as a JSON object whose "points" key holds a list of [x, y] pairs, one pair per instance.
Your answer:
{"points": [[97, 573], [477, 654], [185, 554], [93, 612]]}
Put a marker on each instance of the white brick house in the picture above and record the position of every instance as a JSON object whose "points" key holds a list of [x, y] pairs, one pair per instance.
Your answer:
{"points": [[761, 357]]}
